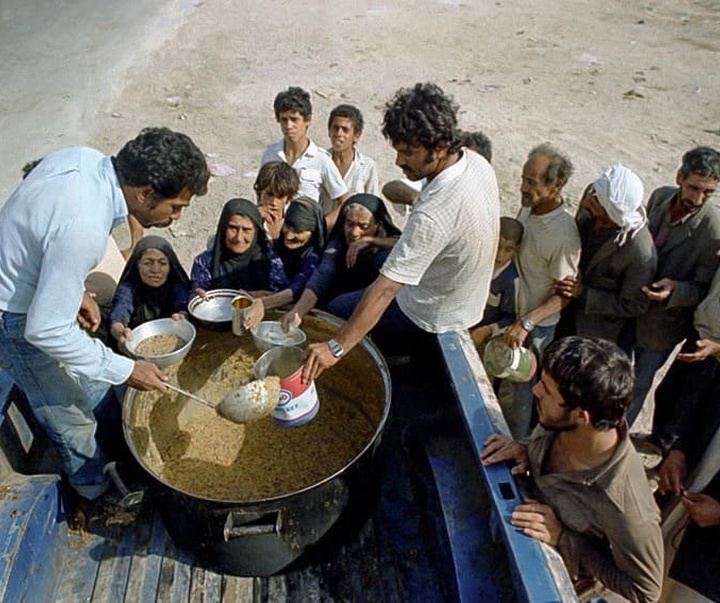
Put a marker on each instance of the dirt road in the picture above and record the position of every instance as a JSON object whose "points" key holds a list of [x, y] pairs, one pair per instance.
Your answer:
{"points": [[603, 81]]}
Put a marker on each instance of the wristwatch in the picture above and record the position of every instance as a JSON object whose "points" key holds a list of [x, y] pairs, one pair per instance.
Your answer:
{"points": [[335, 348], [527, 324]]}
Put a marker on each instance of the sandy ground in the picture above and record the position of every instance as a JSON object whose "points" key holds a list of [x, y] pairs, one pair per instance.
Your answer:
{"points": [[607, 81]]}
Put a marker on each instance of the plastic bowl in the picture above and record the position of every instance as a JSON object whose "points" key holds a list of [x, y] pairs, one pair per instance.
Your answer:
{"points": [[268, 334], [214, 311], [163, 326]]}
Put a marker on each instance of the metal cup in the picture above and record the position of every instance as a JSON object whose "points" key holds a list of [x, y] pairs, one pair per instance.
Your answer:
{"points": [[240, 308]]}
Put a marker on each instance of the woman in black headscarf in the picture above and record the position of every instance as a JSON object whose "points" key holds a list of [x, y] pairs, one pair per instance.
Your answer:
{"points": [[359, 243], [153, 285], [300, 247], [240, 256]]}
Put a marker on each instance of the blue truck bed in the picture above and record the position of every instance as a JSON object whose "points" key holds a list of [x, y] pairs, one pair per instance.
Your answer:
{"points": [[439, 530]]}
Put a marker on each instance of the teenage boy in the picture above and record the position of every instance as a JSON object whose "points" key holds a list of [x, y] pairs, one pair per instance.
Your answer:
{"points": [[345, 126], [313, 165]]}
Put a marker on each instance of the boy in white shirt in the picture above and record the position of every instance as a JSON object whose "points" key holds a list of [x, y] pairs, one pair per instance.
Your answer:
{"points": [[313, 165], [345, 126]]}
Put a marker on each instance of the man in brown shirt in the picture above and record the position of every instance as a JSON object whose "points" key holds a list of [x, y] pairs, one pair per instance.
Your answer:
{"points": [[595, 504]]}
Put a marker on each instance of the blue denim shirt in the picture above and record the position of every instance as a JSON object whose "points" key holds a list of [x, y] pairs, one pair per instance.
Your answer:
{"points": [[53, 230]]}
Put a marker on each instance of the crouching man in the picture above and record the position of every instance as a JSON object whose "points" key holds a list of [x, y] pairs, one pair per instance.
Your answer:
{"points": [[594, 502]]}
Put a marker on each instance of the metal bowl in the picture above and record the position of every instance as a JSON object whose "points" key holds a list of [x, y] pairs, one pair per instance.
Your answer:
{"points": [[163, 326], [269, 334], [214, 311]]}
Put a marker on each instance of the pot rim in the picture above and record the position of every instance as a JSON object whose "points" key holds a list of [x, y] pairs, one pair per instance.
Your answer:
{"points": [[385, 374]]}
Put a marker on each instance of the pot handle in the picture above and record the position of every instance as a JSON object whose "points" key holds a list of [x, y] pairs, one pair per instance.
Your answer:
{"points": [[129, 498], [241, 524]]}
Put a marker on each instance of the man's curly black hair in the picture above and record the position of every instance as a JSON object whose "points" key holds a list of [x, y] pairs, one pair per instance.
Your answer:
{"points": [[422, 116], [593, 374], [167, 161]]}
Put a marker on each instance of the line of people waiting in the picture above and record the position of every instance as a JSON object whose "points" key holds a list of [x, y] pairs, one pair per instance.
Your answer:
{"points": [[639, 276]]}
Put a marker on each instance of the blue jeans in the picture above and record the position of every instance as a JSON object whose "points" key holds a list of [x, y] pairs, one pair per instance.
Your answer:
{"points": [[516, 399], [65, 406]]}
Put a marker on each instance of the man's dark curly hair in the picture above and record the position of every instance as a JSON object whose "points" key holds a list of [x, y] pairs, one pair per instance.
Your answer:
{"points": [[593, 374], [293, 99], [167, 161], [422, 116]]}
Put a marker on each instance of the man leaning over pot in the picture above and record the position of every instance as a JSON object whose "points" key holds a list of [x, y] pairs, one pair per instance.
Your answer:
{"points": [[53, 231], [437, 276]]}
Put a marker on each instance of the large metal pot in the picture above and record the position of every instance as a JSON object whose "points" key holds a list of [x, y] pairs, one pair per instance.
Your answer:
{"points": [[261, 537]]}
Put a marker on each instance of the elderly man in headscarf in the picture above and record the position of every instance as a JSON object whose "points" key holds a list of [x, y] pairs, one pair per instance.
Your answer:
{"points": [[618, 258]]}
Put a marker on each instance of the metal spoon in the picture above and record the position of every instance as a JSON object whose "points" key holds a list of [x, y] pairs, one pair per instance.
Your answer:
{"points": [[250, 402], [180, 390]]}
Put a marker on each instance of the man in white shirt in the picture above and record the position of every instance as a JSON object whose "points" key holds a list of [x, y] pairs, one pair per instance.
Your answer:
{"points": [[313, 164], [438, 275], [53, 230], [549, 252]]}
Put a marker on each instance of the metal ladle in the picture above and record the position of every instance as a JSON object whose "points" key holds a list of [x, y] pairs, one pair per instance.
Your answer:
{"points": [[250, 402]]}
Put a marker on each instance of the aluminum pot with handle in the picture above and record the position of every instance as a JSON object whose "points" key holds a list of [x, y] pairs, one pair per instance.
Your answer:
{"points": [[261, 537]]}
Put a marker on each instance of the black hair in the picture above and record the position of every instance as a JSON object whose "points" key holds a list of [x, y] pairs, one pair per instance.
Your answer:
{"points": [[167, 161], [279, 178], [478, 142], [30, 166], [350, 112], [422, 116], [703, 161], [293, 99], [593, 374], [560, 167]]}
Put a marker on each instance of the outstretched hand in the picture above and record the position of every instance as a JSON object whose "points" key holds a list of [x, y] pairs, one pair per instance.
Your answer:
{"points": [[289, 319], [317, 358], [146, 376], [703, 349], [703, 508]]}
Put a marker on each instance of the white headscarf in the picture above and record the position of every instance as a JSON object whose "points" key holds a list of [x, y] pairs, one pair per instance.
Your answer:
{"points": [[620, 192]]}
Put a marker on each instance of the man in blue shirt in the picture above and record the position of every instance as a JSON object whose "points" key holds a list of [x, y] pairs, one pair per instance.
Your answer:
{"points": [[53, 230]]}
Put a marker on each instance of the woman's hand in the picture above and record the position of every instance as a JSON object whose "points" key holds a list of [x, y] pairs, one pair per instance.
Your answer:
{"points": [[255, 314], [291, 318], [355, 248], [121, 333]]}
